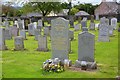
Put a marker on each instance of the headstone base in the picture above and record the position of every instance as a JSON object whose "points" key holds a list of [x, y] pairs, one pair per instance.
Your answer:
{"points": [[90, 65], [3, 48], [119, 29], [103, 39], [43, 49], [19, 49]]}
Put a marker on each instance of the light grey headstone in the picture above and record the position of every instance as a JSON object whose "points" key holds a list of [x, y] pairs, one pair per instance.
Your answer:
{"points": [[37, 32], [42, 43], [97, 17], [77, 27], [2, 39], [84, 29], [60, 38], [111, 30], [107, 21], [71, 35], [8, 34], [19, 43], [14, 31], [83, 23], [103, 33], [84, 19], [23, 34], [103, 20], [114, 23], [23, 23], [31, 29], [46, 31], [86, 44], [40, 24], [20, 25], [6, 24], [92, 26], [35, 25]]}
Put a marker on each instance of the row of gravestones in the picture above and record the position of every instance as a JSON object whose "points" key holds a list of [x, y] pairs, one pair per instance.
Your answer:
{"points": [[83, 23], [60, 43]]}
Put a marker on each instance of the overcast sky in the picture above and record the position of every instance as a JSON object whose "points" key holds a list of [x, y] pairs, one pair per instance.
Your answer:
{"points": [[73, 1]]}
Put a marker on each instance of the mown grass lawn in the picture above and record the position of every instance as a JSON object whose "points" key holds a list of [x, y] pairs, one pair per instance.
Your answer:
{"points": [[28, 63]]}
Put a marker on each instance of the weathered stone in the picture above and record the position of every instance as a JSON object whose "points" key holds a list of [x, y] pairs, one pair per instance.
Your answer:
{"points": [[14, 31], [114, 23], [60, 38], [19, 43], [42, 43], [37, 32], [77, 27], [23, 34], [103, 33], [86, 44], [2, 39], [92, 26], [71, 35], [31, 29], [46, 31], [8, 34]]}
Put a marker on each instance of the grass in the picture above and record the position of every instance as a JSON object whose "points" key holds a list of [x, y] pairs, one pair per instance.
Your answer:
{"points": [[28, 63]]}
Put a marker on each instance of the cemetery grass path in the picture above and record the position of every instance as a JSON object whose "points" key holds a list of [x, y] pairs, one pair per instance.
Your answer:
{"points": [[28, 63]]}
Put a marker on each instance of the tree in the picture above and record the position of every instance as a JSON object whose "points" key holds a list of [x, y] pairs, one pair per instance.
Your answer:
{"points": [[89, 8], [43, 7], [74, 11]]}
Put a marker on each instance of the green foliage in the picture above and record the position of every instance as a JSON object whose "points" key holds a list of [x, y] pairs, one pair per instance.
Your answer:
{"points": [[89, 8], [43, 7], [27, 8], [74, 11]]}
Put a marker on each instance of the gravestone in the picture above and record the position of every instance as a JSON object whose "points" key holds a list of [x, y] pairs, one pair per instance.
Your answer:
{"points": [[42, 43], [23, 23], [92, 23], [96, 16], [20, 25], [37, 32], [77, 27], [83, 23], [8, 34], [31, 29], [23, 34], [71, 21], [103, 20], [14, 31], [84, 29], [86, 46], [19, 43], [92, 26], [103, 33], [2, 39], [35, 25], [40, 24], [84, 19], [71, 35], [107, 21], [114, 23], [46, 31], [60, 38], [6, 24], [111, 30]]}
